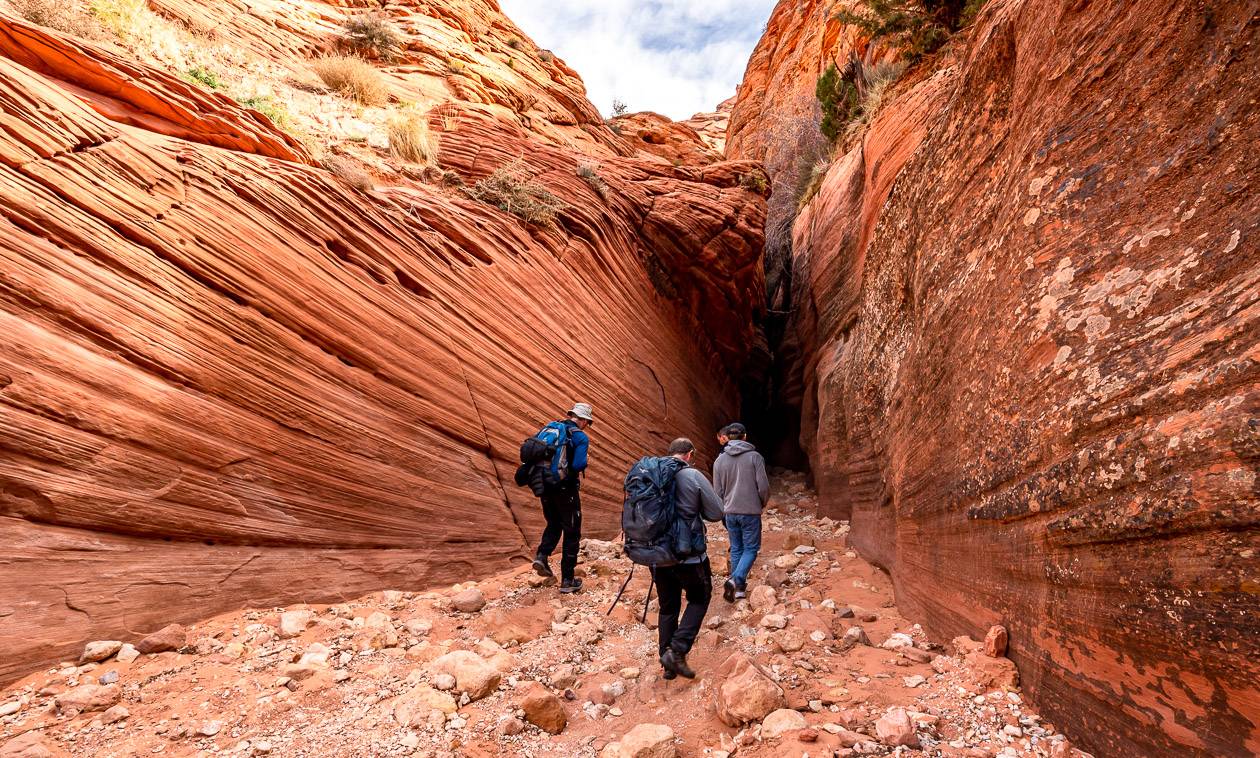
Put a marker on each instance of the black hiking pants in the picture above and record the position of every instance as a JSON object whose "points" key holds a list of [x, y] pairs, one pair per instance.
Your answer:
{"points": [[694, 579], [563, 511]]}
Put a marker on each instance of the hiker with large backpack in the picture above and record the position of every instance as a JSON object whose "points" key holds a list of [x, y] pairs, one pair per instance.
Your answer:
{"points": [[551, 464], [739, 476], [666, 505]]}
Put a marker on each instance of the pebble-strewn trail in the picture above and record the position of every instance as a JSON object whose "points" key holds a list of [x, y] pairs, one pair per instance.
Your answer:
{"points": [[816, 662]]}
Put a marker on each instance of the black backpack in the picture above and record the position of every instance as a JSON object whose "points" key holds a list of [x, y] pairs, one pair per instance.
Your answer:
{"points": [[545, 459], [654, 534]]}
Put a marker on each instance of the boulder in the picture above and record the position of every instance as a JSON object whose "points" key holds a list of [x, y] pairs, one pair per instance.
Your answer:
{"points": [[781, 722], [472, 673], [746, 693], [762, 598], [789, 640], [773, 621], [542, 708], [470, 600], [896, 641], [169, 637], [115, 714], [644, 741], [293, 623], [30, 745], [412, 708], [100, 650], [895, 728], [88, 697], [855, 635], [995, 642], [127, 653]]}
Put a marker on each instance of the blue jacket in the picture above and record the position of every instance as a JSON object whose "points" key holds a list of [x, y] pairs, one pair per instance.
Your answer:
{"points": [[579, 443]]}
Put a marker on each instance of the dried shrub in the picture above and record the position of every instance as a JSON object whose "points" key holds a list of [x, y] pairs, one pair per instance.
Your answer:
{"points": [[589, 173], [754, 181], [619, 108], [514, 43], [511, 189], [410, 138], [455, 67], [59, 15], [850, 97], [349, 172], [546, 56], [372, 33], [354, 78], [127, 19]]}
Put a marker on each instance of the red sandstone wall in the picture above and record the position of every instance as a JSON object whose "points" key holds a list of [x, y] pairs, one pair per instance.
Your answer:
{"points": [[1028, 306], [227, 379]]}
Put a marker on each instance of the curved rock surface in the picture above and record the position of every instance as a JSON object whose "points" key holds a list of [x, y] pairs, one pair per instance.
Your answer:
{"points": [[228, 379], [1028, 306]]}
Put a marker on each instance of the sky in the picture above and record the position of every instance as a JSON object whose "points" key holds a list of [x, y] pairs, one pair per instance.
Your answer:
{"points": [[675, 57]]}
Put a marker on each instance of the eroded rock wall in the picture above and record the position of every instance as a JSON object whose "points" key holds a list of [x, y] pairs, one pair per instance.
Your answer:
{"points": [[228, 379], [1028, 310]]}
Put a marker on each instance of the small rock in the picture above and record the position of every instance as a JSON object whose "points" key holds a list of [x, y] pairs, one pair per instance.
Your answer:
{"points": [[169, 637], [787, 562], [115, 714], [630, 672], [293, 623], [10, 708], [543, 709], [855, 635], [444, 682], [895, 728], [1012, 730], [88, 697], [127, 653], [808, 735], [470, 600], [746, 692], [648, 741], [472, 673], [773, 621], [844, 613], [414, 707], [804, 550], [917, 655], [781, 722], [913, 681], [563, 677], [100, 650], [762, 598], [28, 745], [210, 728], [509, 726], [109, 677], [897, 641]]}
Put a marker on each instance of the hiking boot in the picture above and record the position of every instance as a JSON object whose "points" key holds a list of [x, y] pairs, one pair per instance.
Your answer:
{"points": [[729, 588], [541, 568], [676, 662], [570, 585], [669, 675], [741, 589]]}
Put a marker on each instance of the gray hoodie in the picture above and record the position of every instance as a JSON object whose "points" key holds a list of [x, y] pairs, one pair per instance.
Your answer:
{"points": [[696, 503], [739, 478]]}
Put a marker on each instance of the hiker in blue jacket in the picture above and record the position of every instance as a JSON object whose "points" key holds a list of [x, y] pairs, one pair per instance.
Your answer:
{"points": [[562, 507]]}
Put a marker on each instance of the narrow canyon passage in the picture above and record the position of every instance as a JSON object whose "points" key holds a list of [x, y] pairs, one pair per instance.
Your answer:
{"points": [[282, 288]]}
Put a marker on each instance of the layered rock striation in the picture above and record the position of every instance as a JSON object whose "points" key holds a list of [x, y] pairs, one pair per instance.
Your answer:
{"points": [[229, 379], [1027, 305]]}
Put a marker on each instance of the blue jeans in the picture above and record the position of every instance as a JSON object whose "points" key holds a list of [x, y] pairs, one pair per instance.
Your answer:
{"points": [[745, 533]]}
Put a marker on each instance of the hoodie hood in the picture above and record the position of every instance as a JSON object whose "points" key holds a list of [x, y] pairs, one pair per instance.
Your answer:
{"points": [[738, 447]]}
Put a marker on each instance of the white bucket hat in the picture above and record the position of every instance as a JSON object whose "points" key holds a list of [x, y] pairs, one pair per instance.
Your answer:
{"points": [[582, 410]]}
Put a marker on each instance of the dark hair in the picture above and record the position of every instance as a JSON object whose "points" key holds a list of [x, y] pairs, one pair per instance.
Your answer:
{"points": [[735, 431], [681, 446]]}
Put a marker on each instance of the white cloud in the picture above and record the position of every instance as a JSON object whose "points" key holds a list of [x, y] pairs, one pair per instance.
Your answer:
{"points": [[676, 57]]}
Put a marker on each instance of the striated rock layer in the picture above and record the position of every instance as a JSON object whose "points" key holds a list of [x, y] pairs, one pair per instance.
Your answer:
{"points": [[1028, 309], [227, 379]]}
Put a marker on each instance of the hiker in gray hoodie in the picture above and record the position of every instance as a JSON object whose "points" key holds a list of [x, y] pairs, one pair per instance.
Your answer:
{"points": [[739, 478]]}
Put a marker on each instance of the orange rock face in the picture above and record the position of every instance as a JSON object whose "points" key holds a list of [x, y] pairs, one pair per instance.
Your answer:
{"points": [[1026, 307], [227, 379], [672, 141]]}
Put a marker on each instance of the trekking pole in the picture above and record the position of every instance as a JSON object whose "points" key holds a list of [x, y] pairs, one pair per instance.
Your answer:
{"points": [[648, 601], [624, 584]]}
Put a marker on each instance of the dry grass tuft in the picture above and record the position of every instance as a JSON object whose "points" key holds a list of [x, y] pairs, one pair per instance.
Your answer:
{"points": [[373, 33], [354, 78], [349, 172], [125, 18], [410, 138], [59, 15], [511, 189], [590, 174]]}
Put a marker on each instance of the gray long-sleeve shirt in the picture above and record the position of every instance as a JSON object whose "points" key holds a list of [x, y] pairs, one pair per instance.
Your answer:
{"points": [[739, 476], [696, 503]]}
